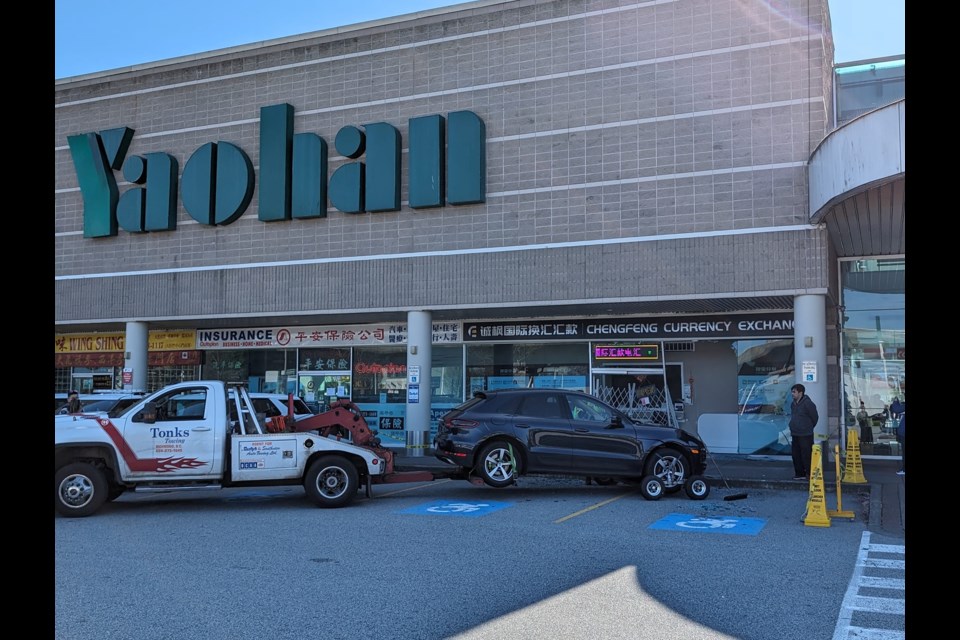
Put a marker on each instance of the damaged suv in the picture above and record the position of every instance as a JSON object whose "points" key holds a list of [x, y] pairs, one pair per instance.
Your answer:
{"points": [[500, 435]]}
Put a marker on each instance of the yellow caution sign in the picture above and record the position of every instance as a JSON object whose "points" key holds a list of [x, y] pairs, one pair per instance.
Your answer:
{"points": [[817, 501], [839, 513], [853, 472]]}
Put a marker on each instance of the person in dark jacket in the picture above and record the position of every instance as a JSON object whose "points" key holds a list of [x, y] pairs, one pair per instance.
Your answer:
{"points": [[902, 439], [803, 418], [73, 402], [897, 408], [866, 424]]}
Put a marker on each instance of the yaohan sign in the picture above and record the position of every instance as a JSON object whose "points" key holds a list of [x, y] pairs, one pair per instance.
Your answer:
{"points": [[446, 159]]}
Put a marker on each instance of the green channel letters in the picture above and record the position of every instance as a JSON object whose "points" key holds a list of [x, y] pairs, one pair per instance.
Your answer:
{"points": [[447, 162]]}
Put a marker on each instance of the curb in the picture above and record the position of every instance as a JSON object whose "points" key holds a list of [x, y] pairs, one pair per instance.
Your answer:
{"points": [[876, 505]]}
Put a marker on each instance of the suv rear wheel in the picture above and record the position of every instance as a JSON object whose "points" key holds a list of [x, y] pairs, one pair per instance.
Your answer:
{"points": [[497, 464]]}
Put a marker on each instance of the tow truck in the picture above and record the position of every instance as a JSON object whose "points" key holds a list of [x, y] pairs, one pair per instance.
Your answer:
{"points": [[197, 435]]}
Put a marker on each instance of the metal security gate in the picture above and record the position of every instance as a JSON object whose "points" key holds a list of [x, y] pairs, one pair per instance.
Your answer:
{"points": [[641, 393]]}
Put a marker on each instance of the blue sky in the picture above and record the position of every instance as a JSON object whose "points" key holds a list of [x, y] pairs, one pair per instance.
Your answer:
{"points": [[98, 35]]}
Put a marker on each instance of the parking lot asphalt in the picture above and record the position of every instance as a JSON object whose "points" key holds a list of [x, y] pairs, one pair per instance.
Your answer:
{"points": [[881, 488]]}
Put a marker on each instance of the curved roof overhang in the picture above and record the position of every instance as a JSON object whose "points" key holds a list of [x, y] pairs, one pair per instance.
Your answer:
{"points": [[857, 181]]}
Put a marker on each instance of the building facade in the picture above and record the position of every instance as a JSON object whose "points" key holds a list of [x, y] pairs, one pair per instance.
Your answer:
{"points": [[584, 194]]}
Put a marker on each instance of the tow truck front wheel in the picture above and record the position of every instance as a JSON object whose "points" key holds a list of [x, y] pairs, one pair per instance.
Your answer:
{"points": [[81, 489], [332, 481]]}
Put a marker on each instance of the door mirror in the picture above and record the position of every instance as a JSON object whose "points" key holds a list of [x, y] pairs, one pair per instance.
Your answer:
{"points": [[616, 422]]}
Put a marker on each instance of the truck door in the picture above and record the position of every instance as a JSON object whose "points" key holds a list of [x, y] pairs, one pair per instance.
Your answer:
{"points": [[181, 442]]}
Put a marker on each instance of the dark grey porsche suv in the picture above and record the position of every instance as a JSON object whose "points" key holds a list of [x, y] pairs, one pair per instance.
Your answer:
{"points": [[500, 435]]}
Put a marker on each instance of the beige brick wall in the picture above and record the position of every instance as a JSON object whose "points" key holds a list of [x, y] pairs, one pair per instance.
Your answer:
{"points": [[606, 121]]}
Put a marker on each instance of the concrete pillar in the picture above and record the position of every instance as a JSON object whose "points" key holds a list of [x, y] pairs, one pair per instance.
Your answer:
{"points": [[810, 356], [419, 354], [135, 356]]}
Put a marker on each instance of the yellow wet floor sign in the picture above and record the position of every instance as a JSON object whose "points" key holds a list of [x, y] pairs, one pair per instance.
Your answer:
{"points": [[817, 501], [853, 471]]}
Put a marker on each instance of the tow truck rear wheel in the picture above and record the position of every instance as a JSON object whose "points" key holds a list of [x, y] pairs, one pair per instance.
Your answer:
{"points": [[81, 489], [332, 481]]}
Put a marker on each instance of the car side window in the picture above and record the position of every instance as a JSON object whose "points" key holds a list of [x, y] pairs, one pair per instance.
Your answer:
{"points": [[541, 405], [183, 404], [586, 409], [265, 406]]}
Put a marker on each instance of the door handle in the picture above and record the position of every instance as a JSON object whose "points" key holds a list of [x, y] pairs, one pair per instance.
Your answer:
{"points": [[582, 430], [201, 428], [522, 426]]}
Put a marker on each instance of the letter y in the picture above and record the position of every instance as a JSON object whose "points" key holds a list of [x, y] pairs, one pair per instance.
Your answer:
{"points": [[95, 156]]}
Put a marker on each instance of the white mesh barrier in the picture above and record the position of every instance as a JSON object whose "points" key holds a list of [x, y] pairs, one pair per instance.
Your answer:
{"points": [[655, 407]]}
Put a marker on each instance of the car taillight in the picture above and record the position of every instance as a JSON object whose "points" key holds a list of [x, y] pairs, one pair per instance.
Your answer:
{"points": [[461, 423]]}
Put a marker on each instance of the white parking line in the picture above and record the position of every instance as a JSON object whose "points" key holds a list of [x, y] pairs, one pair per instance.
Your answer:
{"points": [[853, 601]]}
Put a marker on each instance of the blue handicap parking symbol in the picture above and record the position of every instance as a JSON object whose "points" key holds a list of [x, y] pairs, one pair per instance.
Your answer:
{"points": [[713, 524], [460, 509]]}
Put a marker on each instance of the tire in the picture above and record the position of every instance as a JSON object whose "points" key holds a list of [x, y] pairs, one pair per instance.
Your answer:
{"points": [[671, 467], [496, 465], [79, 490], [696, 488], [332, 481], [651, 488]]}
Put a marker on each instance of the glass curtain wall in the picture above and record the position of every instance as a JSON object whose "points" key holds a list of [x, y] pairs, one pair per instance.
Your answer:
{"points": [[499, 366], [765, 373], [873, 340]]}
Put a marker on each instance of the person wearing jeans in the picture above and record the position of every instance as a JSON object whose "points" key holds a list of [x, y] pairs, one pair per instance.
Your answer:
{"points": [[803, 418]]}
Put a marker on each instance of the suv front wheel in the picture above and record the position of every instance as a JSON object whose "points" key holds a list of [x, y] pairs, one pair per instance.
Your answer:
{"points": [[671, 467]]}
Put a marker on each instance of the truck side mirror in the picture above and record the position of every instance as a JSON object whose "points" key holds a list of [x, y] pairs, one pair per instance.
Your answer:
{"points": [[147, 414]]}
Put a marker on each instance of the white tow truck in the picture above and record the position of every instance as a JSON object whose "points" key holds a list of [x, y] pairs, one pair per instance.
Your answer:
{"points": [[183, 437]]}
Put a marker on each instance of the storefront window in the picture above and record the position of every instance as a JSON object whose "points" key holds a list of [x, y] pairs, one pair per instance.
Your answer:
{"points": [[446, 382], [273, 371], [263, 371], [159, 377], [380, 390], [324, 376], [499, 366], [227, 365], [873, 346], [88, 380], [765, 373], [61, 380]]}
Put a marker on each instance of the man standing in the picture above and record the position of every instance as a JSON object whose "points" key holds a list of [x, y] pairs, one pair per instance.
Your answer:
{"points": [[73, 402], [896, 408], [902, 439], [803, 418]]}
